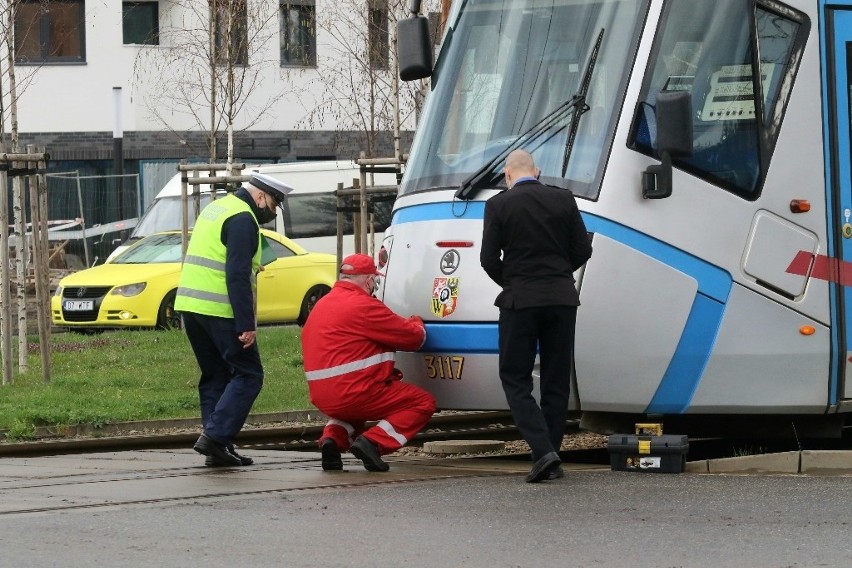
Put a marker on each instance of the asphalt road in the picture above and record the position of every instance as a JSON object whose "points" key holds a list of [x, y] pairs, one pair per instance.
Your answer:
{"points": [[588, 519]]}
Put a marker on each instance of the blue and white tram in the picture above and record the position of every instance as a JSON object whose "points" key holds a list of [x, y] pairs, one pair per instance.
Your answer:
{"points": [[719, 198]]}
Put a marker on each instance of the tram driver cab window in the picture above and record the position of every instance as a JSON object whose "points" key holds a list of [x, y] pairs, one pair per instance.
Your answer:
{"points": [[698, 50]]}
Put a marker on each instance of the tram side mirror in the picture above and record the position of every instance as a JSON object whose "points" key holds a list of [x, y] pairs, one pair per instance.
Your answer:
{"points": [[674, 139], [414, 48]]}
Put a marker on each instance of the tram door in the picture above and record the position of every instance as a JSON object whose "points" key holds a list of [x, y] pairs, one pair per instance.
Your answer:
{"points": [[839, 50]]}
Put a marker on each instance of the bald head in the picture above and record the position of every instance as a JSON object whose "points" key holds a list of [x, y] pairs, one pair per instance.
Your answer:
{"points": [[519, 164]]}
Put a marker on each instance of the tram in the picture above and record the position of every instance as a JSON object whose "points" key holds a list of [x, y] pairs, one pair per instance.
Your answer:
{"points": [[707, 143]]}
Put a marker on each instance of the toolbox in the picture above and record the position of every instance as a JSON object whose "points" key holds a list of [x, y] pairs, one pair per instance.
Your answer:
{"points": [[647, 453]]}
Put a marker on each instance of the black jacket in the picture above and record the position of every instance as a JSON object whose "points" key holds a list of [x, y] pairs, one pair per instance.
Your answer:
{"points": [[543, 241], [240, 236]]}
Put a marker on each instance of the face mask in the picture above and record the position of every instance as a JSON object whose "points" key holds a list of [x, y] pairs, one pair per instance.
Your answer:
{"points": [[265, 215], [375, 287]]}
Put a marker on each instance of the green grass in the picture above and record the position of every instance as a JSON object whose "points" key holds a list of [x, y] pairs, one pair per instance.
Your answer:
{"points": [[124, 376]]}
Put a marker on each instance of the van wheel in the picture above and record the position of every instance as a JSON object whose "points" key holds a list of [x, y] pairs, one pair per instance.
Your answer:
{"points": [[311, 299], [167, 317]]}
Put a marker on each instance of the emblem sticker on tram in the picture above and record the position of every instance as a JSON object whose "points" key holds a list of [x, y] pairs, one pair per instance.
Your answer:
{"points": [[450, 261], [445, 295]]}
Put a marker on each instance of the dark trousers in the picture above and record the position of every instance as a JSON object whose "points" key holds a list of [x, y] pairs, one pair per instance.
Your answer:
{"points": [[551, 329], [231, 377]]}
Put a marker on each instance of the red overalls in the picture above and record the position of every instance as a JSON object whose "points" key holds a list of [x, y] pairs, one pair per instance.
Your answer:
{"points": [[348, 345]]}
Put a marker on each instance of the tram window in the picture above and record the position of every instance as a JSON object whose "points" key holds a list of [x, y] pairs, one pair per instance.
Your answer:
{"points": [[705, 47]]}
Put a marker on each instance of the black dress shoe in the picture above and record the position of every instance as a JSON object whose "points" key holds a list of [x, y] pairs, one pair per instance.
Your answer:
{"points": [[367, 452], [244, 460], [542, 468], [221, 454], [211, 461], [557, 473], [331, 460]]}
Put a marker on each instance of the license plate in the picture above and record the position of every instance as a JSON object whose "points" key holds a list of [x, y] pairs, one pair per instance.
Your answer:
{"points": [[78, 305]]}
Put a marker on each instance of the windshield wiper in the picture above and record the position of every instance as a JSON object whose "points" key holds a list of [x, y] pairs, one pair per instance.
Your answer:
{"points": [[581, 95], [487, 176]]}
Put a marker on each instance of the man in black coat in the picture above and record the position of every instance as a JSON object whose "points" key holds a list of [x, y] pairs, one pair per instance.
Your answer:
{"points": [[543, 240]]}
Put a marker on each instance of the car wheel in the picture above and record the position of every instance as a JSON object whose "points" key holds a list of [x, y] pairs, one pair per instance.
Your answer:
{"points": [[167, 317], [310, 300]]}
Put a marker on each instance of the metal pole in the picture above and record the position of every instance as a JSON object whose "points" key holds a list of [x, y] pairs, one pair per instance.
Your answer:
{"points": [[118, 149], [82, 219]]}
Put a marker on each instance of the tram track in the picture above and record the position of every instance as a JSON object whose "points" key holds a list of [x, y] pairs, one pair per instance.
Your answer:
{"points": [[302, 436], [294, 437]]}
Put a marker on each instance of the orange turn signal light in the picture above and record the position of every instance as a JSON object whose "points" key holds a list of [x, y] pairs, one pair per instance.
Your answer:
{"points": [[807, 330], [800, 205]]}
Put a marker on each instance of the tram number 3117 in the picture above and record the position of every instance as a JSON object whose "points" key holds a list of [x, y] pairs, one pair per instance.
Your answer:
{"points": [[444, 367]]}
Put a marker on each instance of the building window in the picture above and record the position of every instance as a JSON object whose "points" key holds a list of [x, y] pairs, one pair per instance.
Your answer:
{"points": [[140, 23], [378, 39], [298, 33], [235, 51], [54, 34]]}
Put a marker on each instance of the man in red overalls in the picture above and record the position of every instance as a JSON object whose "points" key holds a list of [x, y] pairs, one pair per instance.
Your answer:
{"points": [[348, 345]]}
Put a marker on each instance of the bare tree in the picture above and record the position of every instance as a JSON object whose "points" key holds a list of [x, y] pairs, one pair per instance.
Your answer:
{"points": [[210, 60], [15, 28], [358, 70]]}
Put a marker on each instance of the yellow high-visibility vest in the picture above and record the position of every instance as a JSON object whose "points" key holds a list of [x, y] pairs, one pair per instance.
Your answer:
{"points": [[203, 288]]}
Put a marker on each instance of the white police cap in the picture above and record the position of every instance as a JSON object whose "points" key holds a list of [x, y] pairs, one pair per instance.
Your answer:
{"points": [[274, 187]]}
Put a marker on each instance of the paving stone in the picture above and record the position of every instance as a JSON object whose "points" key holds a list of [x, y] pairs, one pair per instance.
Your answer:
{"points": [[445, 447]]}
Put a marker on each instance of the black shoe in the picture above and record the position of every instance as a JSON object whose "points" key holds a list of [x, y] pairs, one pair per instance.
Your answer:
{"points": [[367, 452], [331, 460], [221, 454], [557, 473], [542, 468], [211, 461], [244, 460]]}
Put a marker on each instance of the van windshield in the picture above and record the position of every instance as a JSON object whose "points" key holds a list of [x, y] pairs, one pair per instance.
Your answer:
{"points": [[165, 215]]}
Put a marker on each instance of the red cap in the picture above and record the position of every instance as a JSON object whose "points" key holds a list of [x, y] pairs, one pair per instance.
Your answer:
{"points": [[359, 264]]}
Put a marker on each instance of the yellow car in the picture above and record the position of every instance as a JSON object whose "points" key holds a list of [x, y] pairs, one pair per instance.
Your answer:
{"points": [[137, 288]]}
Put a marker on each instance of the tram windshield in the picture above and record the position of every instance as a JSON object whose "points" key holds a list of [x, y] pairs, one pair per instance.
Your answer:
{"points": [[505, 66]]}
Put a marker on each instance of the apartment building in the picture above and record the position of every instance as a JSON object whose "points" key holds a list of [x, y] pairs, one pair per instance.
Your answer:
{"points": [[91, 71]]}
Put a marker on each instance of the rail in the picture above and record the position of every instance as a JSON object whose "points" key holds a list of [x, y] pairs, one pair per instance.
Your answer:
{"points": [[496, 425]]}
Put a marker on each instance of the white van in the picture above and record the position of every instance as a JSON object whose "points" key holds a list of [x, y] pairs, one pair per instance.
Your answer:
{"points": [[310, 216]]}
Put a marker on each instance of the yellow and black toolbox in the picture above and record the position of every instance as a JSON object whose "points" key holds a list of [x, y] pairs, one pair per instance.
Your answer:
{"points": [[648, 450]]}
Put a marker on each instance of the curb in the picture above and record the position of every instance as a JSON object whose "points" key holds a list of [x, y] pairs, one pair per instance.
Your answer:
{"points": [[809, 462], [452, 447]]}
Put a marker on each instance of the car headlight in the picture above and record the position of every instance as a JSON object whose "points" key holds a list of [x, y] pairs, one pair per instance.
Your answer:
{"points": [[129, 290], [58, 292]]}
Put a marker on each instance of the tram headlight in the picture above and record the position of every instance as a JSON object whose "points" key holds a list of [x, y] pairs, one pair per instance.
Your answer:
{"points": [[382, 257]]}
